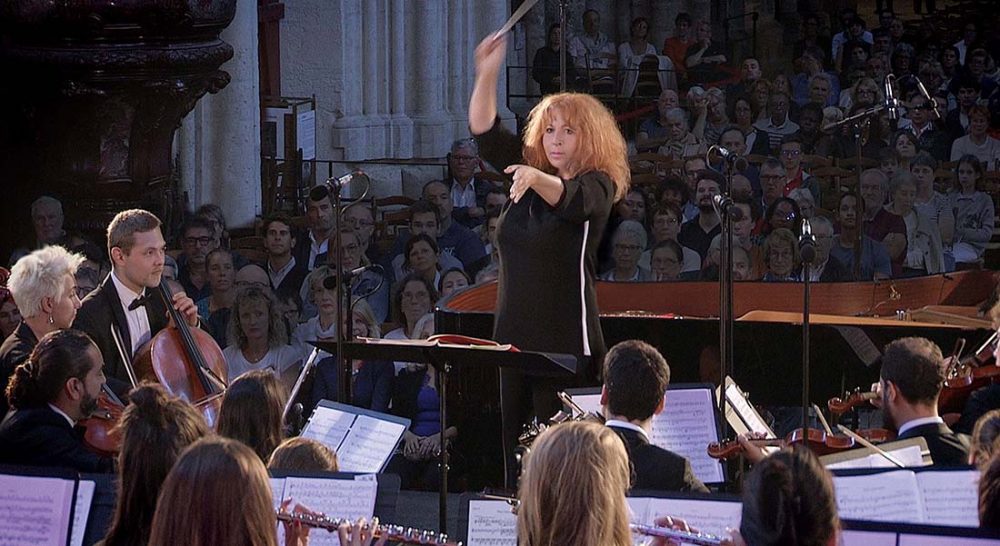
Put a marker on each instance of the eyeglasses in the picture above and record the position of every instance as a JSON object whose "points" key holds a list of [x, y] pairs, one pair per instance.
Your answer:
{"points": [[627, 248], [203, 241], [791, 153], [665, 221], [464, 158], [257, 284]]}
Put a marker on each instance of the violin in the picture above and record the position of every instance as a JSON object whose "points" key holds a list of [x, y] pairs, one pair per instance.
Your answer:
{"points": [[964, 376], [819, 441], [102, 435], [841, 405], [186, 361]]}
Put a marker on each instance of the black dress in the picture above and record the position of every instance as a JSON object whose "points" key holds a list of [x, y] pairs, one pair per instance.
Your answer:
{"points": [[15, 350]]}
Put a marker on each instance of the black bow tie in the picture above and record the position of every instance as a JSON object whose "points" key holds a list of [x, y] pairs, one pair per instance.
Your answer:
{"points": [[138, 302]]}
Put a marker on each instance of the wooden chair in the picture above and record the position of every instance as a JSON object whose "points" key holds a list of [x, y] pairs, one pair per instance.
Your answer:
{"points": [[258, 256], [852, 163], [252, 242], [648, 84], [649, 162], [815, 161]]}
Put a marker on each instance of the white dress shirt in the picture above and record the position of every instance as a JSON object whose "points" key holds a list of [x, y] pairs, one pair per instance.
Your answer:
{"points": [[138, 320], [626, 424], [914, 423]]}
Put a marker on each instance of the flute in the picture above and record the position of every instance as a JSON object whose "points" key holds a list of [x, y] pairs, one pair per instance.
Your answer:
{"points": [[687, 537], [395, 533]]}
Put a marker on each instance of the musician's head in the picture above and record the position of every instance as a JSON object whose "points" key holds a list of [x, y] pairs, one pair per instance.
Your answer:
{"points": [[788, 500], [635, 381], [911, 379], [43, 285], [137, 248], [573, 488], [572, 133], [252, 410], [989, 493], [217, 494], [300, 454], [65, 369], [153, 418], [985, 438]]}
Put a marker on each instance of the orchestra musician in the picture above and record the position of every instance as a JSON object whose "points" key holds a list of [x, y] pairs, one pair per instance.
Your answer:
{"points": [[122, 303], [567, 173], [635, 384], [57, 386], [43, 284], [909, 385]]}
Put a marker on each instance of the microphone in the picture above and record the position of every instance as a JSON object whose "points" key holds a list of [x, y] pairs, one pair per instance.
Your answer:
{"points": [[737, 161], [723, 203], [807, 243], [891, 102], [334, 185], [330, 282], [930, 100]]}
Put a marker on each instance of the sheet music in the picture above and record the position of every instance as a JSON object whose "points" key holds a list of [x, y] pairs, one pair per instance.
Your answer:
{"points": [[931, 540], [686, 426], [909, 456], [747, 414], [369, 444], [328, 426], [277, 491], [34, 510], [888, 496], [81, 510], [351, 499], [867, 538], [708, 516], [491, 523], [950, 498]]}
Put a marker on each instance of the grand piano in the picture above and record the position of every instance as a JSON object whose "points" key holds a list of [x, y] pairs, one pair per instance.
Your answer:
{"points": [[851, 322]]}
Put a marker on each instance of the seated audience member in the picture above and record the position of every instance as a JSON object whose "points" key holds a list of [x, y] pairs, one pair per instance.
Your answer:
{"points": [[705, 59], [781, 256], [94, 259], [826, 267], [697, 234], [216, 472], [759, 96], [791, 159], [777, 125], [197, 239], [421, 258], [665, 260], [258, 339], [906, 147], [212, 214], [985, 439], [361, 218], [300, 454], [215, 308], [637, 51], [788, 498], [989, 494], [874, 192], [310, 250], [782, 213], [425, 217], [453, 238], [47, 221], [452, 281], [414, 298], [415, 396], [654, 132], [10, 315], [372, 380], [814, 140], [920, 115], [370, 285], [733, 139], [974, 212], [593, 49], [772, 182], [666, 224], [743, 265], [545, 66], [251, 412], [977, 141], [679, 141], [884, 226], [711, 118], [742, 116], [323, 326], [156, 420], [875, 261], [804, 199], [628, 242], [935, 206], [910, 383], [285, 274], [43, 290], [87, 280], [692, 167], [50, 392], [169, 268], [675, 47], [635, 386], [488, 234], [924, 253], [865, 92], [468, 193], [634, 206], [750, 72]]}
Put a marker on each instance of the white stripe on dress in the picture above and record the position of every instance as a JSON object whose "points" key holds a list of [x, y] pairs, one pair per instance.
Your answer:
{"points": [[583, 290]]}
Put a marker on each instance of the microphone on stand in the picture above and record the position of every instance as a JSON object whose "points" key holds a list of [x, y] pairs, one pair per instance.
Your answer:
{"points": [[334, 185], [723, 203], [930, 100], [891, 102], [807, 243], [330, 282], [716, 152]]}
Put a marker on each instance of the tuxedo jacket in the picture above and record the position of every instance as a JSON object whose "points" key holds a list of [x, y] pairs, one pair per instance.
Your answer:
{"points": [[42, 437], [15, 350], [102, 308], [947, 448], [656, 468]]}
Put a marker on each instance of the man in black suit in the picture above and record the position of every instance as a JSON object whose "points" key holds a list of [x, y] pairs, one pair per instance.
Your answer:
{"points": [[123, 302], [311, 247], [911, 379], [284, 271], [52, 391], [635, 385]]}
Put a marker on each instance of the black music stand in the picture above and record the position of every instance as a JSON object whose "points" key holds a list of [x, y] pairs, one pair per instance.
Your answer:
{"points": [[444, 357]]}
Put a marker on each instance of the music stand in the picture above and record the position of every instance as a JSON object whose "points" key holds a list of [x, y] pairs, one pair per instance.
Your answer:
{"points": [[444, 357]]}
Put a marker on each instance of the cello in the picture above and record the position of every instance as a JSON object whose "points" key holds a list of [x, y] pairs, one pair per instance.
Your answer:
{"points": [[186, 361]]}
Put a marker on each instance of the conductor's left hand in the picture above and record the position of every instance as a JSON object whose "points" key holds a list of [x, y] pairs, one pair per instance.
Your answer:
{"points": [[524, 177]]}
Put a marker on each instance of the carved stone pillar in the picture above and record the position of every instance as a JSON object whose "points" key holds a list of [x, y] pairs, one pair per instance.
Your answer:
{"points": [[92, 94]]}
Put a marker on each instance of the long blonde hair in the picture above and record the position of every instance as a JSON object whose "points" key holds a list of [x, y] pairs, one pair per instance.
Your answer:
{"points": [[600, 146], [573, 488], [217, 494]]}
